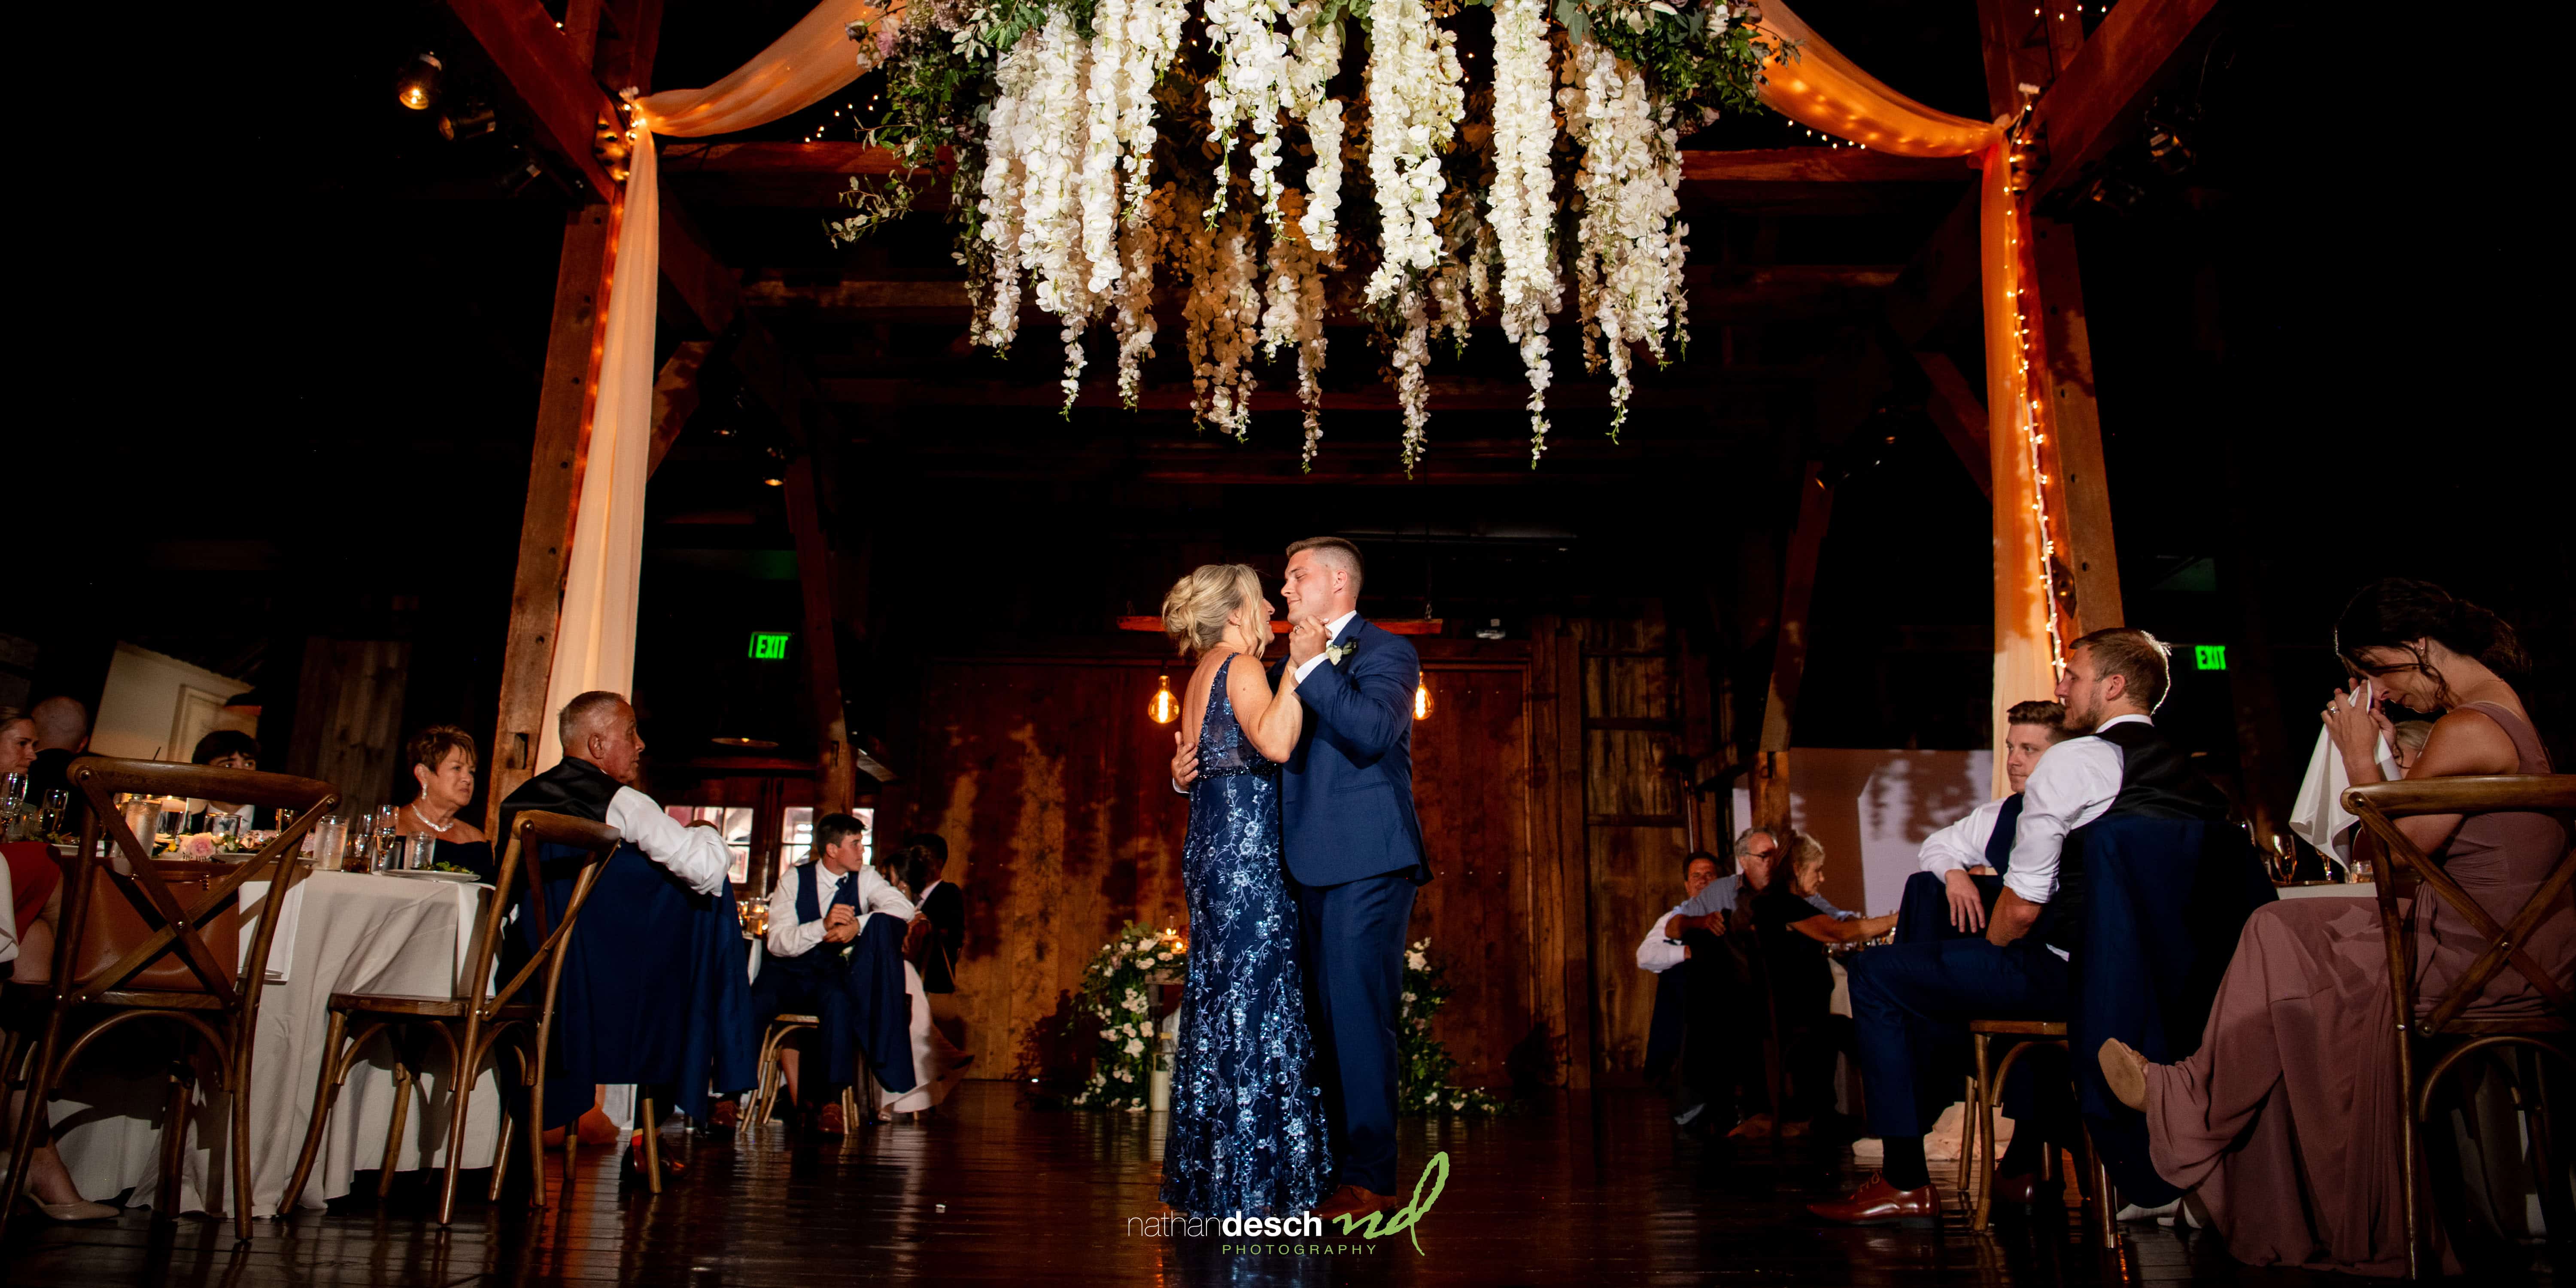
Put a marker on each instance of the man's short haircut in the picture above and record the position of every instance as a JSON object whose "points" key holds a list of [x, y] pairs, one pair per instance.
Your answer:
{"points": [[1334, 551], [1744, 840], [577, 715], [1701, 856], [933, 842], [2133, 654], [2039, 711], [832, 829]]}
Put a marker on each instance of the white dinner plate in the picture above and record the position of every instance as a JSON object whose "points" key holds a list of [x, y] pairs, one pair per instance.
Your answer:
{"points": [[461, 878]]}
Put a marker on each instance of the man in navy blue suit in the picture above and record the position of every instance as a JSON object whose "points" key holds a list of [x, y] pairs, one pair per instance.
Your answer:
{"points": [[1354, 853]]}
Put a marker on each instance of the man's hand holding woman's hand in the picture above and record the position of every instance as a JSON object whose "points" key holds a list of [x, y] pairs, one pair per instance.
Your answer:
{"points": [[1306, 641]]}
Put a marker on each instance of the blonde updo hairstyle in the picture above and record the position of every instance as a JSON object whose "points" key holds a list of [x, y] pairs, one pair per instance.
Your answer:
{"points": [[1195, 611]]}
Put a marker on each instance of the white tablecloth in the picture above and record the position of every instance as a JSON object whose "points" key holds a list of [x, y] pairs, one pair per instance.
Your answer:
{"points": [[353, 933]]}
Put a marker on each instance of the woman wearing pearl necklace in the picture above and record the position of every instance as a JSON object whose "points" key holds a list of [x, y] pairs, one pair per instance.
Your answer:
{"points": [[443, 762]]}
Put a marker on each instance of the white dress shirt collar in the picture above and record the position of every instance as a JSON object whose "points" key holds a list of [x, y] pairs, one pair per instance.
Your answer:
{"points": [[1334, 628], [2122, 720]]}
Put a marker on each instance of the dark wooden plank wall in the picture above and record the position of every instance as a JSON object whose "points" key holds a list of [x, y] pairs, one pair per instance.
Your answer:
{"points": [[1047, 779]]}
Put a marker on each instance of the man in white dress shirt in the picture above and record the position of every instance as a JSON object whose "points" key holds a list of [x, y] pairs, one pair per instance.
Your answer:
{"points": [[1911, 1002], [834, 926], [1657, 954], [1962, 864], [1721, 1042]]}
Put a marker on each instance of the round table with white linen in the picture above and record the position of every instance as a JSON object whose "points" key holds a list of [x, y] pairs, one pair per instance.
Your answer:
{"points": [[341, 932]]}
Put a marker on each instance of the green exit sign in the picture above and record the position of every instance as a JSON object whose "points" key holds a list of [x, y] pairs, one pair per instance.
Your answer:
{"points": [[2210, 657], [769, 646]]}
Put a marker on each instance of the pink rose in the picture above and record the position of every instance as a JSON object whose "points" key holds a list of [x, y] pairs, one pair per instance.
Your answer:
{"points": [[199, 847], [888, 27]]}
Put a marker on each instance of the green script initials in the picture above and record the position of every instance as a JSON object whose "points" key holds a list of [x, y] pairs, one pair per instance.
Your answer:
{"points": [[1378, 1225]]}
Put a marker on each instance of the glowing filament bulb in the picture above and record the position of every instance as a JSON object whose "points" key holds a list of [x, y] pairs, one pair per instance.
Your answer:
{"points": [[1165, 707], [1422, 700]]}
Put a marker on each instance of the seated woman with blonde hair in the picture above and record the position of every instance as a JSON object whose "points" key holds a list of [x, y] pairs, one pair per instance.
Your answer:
{"points": [[2285, 1118]]}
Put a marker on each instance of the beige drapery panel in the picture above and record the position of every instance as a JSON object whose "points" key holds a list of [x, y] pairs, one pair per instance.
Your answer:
{"points": [[1825, 90], [595, 636]]}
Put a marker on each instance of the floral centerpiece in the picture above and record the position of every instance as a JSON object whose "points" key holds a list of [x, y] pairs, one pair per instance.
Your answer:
{"points": [[1092, 145], [1118, 993], [200, 846], [1423, 1064]]}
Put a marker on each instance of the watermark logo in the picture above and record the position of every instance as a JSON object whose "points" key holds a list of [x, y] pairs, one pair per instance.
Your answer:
{"points": [[1305, 1234]]}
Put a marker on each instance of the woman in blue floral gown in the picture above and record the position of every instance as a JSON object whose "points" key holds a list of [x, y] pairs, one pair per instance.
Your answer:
{"points": [[1247, 1133]]}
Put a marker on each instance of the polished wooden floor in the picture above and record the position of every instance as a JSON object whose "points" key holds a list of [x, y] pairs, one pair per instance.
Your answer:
{"points": [[1590, 1190]]}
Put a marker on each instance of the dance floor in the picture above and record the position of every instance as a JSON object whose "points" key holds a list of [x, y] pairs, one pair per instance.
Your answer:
{"points": [[1590, 1190]]}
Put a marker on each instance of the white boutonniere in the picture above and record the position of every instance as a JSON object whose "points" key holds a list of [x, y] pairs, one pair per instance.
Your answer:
{"points": [[1337, 653]]}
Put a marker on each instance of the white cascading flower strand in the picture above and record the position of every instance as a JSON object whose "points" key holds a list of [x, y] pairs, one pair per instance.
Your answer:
{"points": [[1224, 316], [997, 321], [1415, 100], [1251, 71], [1314, 58], [1142, 247], [1293, 314], [1628, 259], [1414, 104], [1523, 206], [1153, 36]]}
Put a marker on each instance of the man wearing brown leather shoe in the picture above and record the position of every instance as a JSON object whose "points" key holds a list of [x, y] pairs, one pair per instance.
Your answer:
{"points": [[1879, 1203], [1356, 1203]]}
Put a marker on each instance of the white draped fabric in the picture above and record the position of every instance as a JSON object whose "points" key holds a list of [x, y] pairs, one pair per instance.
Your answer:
{"points": [[595, 637]]}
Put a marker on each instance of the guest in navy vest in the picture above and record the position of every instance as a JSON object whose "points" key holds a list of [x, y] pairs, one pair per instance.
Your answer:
{"points": [[1963, 864], [653, 990], [836, 933], [1354, 853], [1911, 1003]]}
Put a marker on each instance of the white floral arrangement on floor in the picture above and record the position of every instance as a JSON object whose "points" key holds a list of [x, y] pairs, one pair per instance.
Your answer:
{"points": [[1118, 994], [1423, 1064], [1092, 144]]}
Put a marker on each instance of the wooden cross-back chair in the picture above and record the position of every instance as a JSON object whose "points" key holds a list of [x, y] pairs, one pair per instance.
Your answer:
{"points": [[2447, 1033], [473, 1019], [135, 943]]}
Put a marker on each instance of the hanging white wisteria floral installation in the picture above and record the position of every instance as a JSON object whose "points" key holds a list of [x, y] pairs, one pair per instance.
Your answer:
{"points": [[1275, 163]]}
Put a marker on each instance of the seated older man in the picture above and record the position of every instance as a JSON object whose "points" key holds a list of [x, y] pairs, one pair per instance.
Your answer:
{"points": [[653, 991], [1722, 1045]]}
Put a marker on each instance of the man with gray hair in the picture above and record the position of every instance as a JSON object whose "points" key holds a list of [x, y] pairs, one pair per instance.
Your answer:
{"points": [[1722, 1044], [653, 989]]}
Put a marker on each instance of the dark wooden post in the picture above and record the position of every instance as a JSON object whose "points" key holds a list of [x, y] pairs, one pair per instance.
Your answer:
{"points": [[1789, 655], [564, 405]]}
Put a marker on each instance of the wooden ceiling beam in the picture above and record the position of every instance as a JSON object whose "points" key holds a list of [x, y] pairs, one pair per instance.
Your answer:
{"points": [[2093, 106], [552, 78], [1720, 295], [1452, 394], [814, 174]]}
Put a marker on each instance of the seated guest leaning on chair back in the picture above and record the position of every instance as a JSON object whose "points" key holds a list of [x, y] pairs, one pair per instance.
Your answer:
{"points": [[652, 989], [1911, 1003], [830, 957], [31, 887], [945, 905], [1722, 1041], [442, 765], [1792, 934], [1963, 864], [2284, 1119], [935, 1060], [223, 749], [1657, 954]]}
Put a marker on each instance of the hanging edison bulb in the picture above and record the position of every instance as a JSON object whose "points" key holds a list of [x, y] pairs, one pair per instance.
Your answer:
{"points": [[1422, 698], [416, 86], [1166, 707]]}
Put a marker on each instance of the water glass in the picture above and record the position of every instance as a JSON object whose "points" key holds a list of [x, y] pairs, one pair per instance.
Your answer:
{"points": [[223, 824], [423, 845], [58, 802], [13, 792], [389, 851], [329, 843], [142, 817]]}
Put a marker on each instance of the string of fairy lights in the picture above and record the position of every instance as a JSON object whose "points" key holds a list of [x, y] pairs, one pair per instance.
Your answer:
{"points": [[2031, 416]]}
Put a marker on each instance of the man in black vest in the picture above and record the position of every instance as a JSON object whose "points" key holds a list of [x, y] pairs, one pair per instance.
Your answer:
{"points": [[831, 957], [1911, 1002]]}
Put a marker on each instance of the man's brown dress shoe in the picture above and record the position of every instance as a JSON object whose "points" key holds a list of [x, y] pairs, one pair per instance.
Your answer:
{"points": [[1356, 1203], [1879, 1203]]}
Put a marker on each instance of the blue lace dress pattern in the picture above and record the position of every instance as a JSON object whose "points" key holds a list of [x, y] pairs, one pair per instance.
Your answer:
{"points": [[1247, 1129]]}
